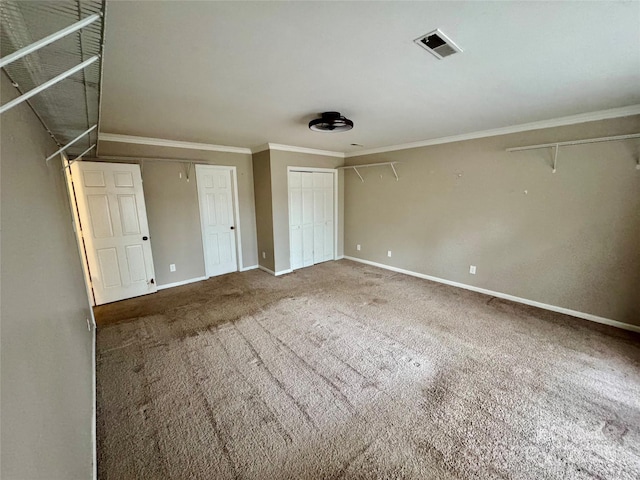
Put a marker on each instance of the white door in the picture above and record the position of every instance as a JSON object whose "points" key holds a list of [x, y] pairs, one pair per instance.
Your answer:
{"points": [[328, 243], [216, 197], [301, 219], [311, 218], [114, 227]]}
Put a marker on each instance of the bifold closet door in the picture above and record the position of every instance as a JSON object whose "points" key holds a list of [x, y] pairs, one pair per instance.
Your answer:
{"points": [[311, 226]]}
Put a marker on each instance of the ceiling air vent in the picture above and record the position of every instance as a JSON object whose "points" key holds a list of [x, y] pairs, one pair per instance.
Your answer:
{"points": [[438, 43]]}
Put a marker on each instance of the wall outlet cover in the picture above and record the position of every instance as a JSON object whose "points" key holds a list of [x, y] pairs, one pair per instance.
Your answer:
{"points": [[358, 247], [388, 253], [472, 269], [172, 267]]}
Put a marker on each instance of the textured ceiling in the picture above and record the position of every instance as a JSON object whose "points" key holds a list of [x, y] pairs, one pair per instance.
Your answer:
{"points": [[246, 73]]}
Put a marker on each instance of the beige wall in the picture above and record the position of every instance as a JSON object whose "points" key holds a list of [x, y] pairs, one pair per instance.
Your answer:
{"points": [[264, 208], [279, 161], [46, 349], [173, 210], [568, 239]]}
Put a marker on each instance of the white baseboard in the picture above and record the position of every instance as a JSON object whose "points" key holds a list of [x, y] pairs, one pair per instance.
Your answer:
{"points": [[265, 269], [246, 269], [184, 282], [339, 257], [275, 274], [553, 308]]}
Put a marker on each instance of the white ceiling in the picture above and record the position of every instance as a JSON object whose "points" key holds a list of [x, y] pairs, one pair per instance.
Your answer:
{"points": [[247, 73]]}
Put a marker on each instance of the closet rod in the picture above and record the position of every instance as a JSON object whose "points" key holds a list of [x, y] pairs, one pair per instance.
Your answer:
{"points": [[47, 40], [575, 142]]}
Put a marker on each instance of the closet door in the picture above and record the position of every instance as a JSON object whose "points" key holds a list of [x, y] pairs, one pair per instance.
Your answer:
{"points": [[113, 216], [311, 228]]}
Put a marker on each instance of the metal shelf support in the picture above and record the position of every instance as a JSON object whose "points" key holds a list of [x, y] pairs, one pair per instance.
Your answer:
{"points": [[45, 85], [47, 40], [356, 167], [60, 150], [557, 145]]}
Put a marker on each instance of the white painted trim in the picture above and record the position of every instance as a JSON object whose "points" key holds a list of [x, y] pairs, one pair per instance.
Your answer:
{"points": [[236, 211], [161, 142], [252, 267], [265, 269], [311, 169], [505, 296], [260, 148], [183, 282], [275, 274], [556, 122], [94, 395], [312, 151]]}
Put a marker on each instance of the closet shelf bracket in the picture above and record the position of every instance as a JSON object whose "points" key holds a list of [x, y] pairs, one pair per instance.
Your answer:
{"points": [[35, 46], [79, 157], [557, 145], [356, 167], [45, 85]]}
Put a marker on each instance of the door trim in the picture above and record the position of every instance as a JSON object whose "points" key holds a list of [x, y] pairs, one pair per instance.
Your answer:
{"points": [[236, 214], [335, 203]]}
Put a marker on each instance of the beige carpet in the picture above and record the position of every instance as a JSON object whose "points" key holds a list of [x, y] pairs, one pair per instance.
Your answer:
{"points": [[347, 371]]}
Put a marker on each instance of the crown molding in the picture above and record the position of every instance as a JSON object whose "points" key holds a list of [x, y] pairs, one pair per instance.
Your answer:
{"points": [[312, 151], [161, 142], [556, 122], [260, 148]]}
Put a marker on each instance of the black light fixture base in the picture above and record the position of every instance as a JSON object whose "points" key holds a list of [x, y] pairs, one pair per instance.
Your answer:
{"points": [[331, 122]]}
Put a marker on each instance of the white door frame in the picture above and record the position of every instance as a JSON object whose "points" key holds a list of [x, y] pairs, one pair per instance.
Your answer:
{"points": [[335, 203], [236, 215]]}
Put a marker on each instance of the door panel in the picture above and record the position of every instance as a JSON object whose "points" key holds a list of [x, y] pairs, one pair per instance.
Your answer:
{"points": [[113, 219], [215, 193], [307, 219], [295, 219], [129, 214], [135, 261]]}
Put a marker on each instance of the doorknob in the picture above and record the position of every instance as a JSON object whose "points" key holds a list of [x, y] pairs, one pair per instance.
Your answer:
{"points": [[145, 238], [232, 227]]}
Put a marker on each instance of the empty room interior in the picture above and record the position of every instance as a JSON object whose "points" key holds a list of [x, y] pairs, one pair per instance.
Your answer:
{"points": [[320, 240]]}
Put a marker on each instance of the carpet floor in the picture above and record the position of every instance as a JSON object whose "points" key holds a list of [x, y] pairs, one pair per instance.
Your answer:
{"points": [[343, 370]]}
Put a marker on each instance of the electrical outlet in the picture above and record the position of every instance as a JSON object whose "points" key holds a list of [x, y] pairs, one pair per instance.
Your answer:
{"points": [[388, 253], [472, 269], [172, 267], [358, 247], [264, 254]]}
